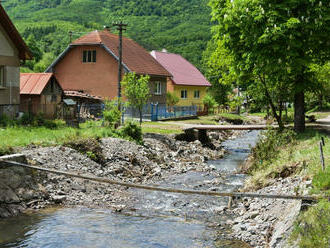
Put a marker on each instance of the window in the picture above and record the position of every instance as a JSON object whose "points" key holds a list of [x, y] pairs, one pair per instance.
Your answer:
{"points": [[2, 76], [158, 88], [196, 94], [89, 56], [183, 94]]}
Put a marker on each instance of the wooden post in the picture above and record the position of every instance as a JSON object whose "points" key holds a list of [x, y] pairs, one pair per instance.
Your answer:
{"points": [[321, 156]]}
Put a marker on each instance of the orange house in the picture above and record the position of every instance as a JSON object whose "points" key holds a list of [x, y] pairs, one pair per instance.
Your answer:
{"points": [[90, 64]]}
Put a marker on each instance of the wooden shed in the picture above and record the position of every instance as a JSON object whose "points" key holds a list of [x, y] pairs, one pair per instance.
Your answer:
{"points": [[40, 93]]}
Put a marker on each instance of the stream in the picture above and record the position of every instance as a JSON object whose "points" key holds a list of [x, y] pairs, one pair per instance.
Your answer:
{"points": [[155, 219]]}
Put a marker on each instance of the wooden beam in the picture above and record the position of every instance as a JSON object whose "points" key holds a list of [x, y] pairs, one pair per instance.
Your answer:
{"points": [[169, 190]]}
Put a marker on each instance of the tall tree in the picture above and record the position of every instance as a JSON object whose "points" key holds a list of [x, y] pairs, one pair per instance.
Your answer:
{"points": [[275, 41]]}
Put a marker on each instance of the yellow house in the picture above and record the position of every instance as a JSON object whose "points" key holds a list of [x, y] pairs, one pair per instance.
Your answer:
{"points": [[188, 83]]}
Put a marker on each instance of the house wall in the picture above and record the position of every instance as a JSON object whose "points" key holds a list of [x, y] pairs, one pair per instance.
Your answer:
{"points": [[99, 79], [9, 59], [190, 100], [161, 99]]}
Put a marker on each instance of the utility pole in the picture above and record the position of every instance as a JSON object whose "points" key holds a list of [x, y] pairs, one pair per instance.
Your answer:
{"points": [[70, 35], [120, 27]]}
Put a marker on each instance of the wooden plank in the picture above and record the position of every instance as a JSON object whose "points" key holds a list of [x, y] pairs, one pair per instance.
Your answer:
{"points": [[169, 190]]}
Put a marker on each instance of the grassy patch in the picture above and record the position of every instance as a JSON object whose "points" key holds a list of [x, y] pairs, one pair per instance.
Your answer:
{"points": [[160, 130], [233, 116], [281, 154], [23, 136], [312, 228]]}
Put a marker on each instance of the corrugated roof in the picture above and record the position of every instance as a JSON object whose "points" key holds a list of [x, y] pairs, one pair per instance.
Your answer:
{"points": [[74, 93], [135, 57], [34, 83], [184, 73], [6, 23]]}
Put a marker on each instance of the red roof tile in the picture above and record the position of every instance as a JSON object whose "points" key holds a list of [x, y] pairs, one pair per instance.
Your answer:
{"points": [[34, 83], [8, 26], [184, 73], [135, 57]]}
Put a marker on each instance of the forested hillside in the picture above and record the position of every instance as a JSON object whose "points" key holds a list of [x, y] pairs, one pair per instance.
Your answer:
{"points": [[180, 26]]}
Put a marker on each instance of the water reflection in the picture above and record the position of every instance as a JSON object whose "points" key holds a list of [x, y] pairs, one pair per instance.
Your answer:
{"points": [[100, 228]]}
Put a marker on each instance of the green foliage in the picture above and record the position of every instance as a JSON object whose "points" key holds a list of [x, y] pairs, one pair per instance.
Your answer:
{"points": [[137, 91], [111, 113], [217, 66], [272, 44], [179, 26], [132, 131], [209, 102], [6, 150], [319, 93], [268, 147], [6, 121], [312, 228], [321, 181], [172, 99]]}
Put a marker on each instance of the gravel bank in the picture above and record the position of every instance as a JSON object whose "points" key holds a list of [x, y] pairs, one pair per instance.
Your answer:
{"points": [[268, 222], [160, 157]]}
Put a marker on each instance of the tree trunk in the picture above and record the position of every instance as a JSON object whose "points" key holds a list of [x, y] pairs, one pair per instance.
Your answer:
{"points": [[272, 106], [299, 112]]}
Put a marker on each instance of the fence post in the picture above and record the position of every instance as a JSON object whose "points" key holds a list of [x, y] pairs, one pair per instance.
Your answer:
{"points": [[321, 156], [156, 119]]}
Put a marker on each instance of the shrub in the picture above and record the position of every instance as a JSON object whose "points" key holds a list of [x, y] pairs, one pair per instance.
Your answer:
{"points": [[133, 131], [6, 150], [209, 102], [5, 121], [111, 113]]}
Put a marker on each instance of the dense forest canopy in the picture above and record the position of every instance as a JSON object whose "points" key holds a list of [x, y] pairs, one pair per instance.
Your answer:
{"points": [[180, 26]]}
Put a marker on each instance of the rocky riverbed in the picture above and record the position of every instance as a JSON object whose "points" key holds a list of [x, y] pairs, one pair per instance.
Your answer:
{"points": [[162, 158], [159, 157]]}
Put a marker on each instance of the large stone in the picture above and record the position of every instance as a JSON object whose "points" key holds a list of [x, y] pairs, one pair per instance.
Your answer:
{"points": [[7, 195]]}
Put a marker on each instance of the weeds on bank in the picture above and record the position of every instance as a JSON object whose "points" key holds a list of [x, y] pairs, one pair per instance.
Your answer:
{"points": [[287, 154]]}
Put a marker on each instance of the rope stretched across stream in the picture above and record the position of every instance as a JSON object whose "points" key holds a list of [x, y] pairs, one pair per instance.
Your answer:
{"points": [[170, 190]]}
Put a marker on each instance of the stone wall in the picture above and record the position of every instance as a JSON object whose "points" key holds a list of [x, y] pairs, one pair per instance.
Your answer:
{"points": [[19, 187]]}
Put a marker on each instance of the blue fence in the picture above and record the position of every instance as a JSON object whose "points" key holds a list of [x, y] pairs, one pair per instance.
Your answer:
{"points": [[156, 112]]}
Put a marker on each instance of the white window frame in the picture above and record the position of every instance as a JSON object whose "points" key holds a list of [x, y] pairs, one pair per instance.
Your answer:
{"points": [[158, 88], [89, 56], [196, 94], [2, 76], [184, 95]]}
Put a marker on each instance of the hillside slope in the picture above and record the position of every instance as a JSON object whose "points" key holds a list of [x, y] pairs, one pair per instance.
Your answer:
{"points": [[180, 26]]}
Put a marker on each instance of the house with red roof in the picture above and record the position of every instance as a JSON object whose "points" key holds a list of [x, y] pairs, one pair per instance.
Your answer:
{"points": [[187, 82], [13, 51], [40, 93], [90, 65]]}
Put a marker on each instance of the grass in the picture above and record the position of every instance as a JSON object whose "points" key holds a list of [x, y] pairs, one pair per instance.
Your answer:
{"points": [[22, 136], [302, 153], [233, 116]]}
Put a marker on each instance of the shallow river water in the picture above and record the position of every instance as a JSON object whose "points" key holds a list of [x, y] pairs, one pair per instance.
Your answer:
{"points": [[158, 220]]}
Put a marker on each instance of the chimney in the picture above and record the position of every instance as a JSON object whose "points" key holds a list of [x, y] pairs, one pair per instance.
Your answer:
{"points": [[164, 50]]}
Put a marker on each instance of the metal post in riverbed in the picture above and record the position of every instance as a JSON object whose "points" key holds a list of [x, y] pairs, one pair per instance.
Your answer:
{"points": [[321, 154]]}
